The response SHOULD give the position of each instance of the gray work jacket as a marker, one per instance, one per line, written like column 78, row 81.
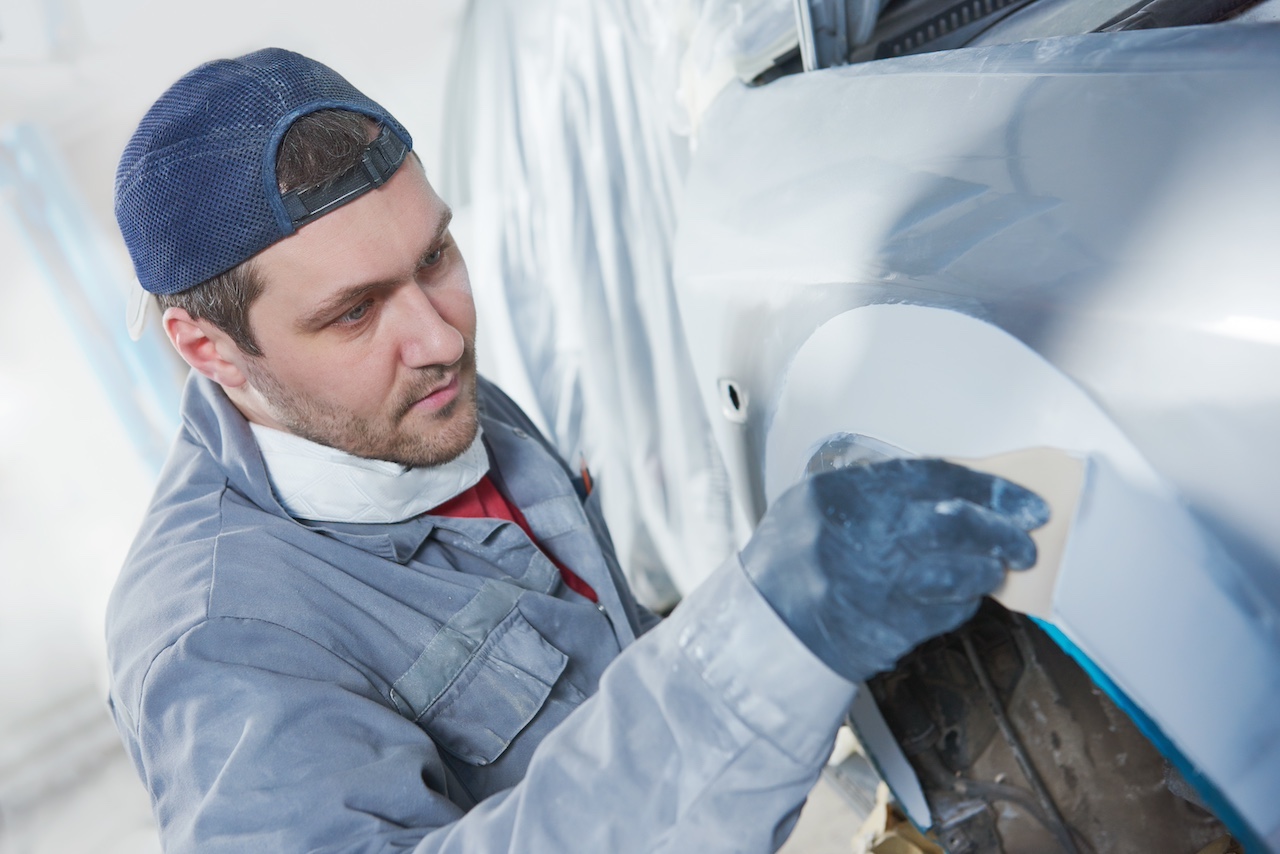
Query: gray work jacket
column 432, row 685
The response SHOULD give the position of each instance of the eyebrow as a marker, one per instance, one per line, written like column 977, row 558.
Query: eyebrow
column 321, row 314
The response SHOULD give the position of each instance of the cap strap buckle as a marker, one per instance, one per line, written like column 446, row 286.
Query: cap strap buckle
column 379, row 161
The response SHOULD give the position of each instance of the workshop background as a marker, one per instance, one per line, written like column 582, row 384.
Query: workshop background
column 843, row 251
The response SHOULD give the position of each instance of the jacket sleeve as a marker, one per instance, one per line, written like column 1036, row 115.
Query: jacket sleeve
column 705, row 735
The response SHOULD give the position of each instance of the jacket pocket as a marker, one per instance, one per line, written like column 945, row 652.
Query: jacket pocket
column 482, row 678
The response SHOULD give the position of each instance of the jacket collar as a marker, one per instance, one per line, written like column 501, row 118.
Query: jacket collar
column 214, row 423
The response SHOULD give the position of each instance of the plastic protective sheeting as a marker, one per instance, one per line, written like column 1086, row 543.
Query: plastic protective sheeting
column 565, row 153
column 696, row 47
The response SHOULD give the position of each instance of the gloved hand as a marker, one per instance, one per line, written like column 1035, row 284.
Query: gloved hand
column 864, row 563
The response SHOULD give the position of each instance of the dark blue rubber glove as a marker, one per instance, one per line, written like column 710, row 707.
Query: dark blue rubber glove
column 864, row 563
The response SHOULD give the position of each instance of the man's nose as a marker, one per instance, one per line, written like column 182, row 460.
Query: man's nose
column 426, row 337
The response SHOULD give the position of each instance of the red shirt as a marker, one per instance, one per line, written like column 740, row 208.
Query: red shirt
column 484, row 501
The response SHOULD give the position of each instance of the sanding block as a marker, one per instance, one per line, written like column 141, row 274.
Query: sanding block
column 1059, row 477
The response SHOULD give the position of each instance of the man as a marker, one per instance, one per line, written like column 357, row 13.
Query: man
column 370, row 609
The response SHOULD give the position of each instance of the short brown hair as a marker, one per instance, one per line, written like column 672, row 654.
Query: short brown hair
column 317, row 148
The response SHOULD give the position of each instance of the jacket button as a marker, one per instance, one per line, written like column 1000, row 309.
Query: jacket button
column 520, row 433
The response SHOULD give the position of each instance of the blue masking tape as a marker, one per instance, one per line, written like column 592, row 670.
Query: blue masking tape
column 1210, row 793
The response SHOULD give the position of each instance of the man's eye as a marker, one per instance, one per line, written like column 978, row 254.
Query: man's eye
column 356, row 314
column 432, row 259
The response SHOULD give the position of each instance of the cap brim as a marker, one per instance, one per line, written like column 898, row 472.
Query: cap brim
column 139, row 310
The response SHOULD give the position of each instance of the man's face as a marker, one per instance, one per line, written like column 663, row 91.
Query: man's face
column 367, row 330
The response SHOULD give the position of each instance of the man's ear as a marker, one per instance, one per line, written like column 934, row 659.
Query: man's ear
column 204, row 347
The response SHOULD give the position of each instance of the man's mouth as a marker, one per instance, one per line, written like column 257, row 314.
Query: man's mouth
column 439, row 396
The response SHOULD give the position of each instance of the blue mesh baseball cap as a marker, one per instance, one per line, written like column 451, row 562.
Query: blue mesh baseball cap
column 196, row 190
